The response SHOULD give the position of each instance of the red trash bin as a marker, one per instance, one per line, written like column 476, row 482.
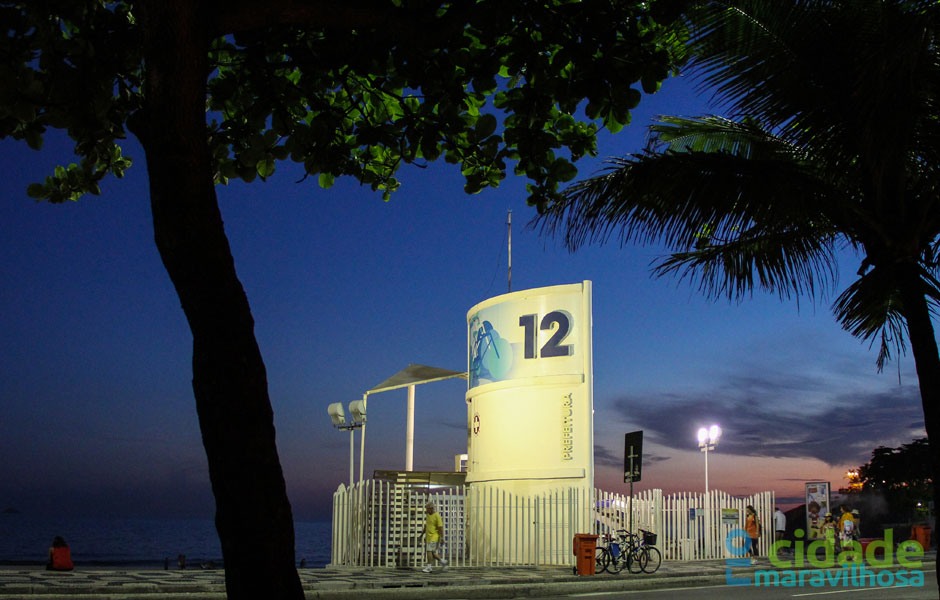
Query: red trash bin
column 921, row 534
column 879, row 552
column 585, row 544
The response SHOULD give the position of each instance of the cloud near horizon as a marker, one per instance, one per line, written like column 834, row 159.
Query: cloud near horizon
column 782, row 416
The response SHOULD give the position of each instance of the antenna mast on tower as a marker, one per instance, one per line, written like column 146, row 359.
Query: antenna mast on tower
column 509, row 224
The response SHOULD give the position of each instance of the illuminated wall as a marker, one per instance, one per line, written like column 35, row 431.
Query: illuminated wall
column 530, row 398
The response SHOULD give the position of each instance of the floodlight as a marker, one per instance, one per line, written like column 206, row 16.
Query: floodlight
column 714, row 432
column 336, row 414
column 357, row 408
column 708, row 440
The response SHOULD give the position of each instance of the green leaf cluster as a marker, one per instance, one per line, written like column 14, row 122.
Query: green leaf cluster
column 486, row 85
column 60, row 68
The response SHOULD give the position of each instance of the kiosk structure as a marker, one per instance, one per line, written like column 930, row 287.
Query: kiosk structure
column 530, row 408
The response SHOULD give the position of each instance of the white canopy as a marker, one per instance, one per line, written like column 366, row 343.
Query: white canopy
column 415, row 374
column 409, row 377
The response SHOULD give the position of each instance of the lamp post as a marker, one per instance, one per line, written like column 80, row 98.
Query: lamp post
column 708, row 440
column 358, row 411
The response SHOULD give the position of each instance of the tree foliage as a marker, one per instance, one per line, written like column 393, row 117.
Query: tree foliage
column 368, row 91
column 216, row 91
column 901, row 475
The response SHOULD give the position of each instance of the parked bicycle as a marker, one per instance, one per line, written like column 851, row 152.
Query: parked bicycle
column 636, row 553
column 650, row 557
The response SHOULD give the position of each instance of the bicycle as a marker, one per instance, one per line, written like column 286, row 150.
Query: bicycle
column 652, row 557
column 618, row 553
column 638, row 553
column 602, row 553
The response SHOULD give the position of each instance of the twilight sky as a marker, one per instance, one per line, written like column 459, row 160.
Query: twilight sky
column 96, row 408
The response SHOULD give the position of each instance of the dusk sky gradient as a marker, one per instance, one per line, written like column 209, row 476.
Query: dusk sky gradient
column 96, row 408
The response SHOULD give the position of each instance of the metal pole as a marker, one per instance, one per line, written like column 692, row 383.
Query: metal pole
column 362, row 451
column 630, row 529
column 509, row 223
column 351, row 450
column 708, row 511
column 632, row 456
column 706, row 470
column 410, row 430
column 362, row 439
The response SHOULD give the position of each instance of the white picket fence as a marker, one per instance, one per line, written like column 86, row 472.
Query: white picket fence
column 688, row 526
column 379, row 524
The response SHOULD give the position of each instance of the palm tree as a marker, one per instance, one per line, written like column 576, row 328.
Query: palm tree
column 833, row 140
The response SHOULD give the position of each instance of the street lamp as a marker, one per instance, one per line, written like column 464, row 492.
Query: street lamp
column 708, row 440
column 357, row 409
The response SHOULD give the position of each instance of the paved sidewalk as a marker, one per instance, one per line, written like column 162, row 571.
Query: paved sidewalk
column 35, row 583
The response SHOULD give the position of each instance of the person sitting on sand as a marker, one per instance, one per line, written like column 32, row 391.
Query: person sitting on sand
column 60, row 557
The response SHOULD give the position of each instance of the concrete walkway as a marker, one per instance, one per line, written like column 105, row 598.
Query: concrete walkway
column 35, row 583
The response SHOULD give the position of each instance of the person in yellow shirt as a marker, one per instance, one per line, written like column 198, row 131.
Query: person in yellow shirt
column 845, row 516
column 433, row 537
column 828, row 531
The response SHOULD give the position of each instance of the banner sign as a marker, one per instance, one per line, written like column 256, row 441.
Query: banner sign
column 817, row 505
column 633, row 448
column 528, row 335
column 730, row 516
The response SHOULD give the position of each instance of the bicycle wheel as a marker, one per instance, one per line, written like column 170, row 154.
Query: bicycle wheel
column 636, row 560
column 601, row 559
column 654, row 559
column 617, row 560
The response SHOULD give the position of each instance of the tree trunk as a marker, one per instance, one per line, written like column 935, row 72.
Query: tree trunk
column 927, row 360
column 253, row 514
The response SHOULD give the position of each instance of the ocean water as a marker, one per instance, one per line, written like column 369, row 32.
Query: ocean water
column 141, row 543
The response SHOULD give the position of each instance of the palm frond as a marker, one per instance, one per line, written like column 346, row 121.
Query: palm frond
column 789, row 263
column 721, row 215
column 710, row 133
column 747, row 51
column 871, row 309
column 832, row 135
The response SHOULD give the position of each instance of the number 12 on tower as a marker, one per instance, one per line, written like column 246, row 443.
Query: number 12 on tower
column 558, row 320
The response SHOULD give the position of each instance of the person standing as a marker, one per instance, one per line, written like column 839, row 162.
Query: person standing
column 60, row 557
column 847, row 532
column 752, row 527
column 845, row 516
column 829, row 533
column 433, row 537
column 780, row 524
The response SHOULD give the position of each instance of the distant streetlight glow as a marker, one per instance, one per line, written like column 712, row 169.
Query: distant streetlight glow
column 708, row 440
column 855, row 483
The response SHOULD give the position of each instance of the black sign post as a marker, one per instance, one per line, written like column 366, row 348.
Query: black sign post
column 632, row 463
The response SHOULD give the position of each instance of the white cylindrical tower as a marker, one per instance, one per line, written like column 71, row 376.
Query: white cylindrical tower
column 530, row 393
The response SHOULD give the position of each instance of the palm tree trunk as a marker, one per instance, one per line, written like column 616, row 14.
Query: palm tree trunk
column 927, row 360
column 253, row 514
